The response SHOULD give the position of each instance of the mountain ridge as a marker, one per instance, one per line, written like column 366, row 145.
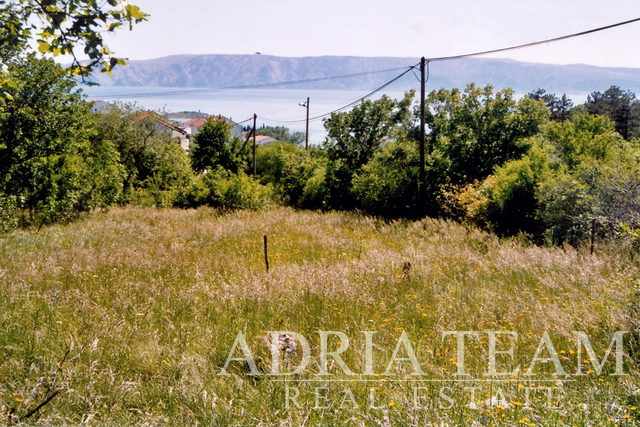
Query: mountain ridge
column 221, row 71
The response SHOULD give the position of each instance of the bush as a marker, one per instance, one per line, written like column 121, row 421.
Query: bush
column 226, row 190
column 8, row 214
column 315, row 192
column 192, row 195
column 287, row 168
column 387, row 185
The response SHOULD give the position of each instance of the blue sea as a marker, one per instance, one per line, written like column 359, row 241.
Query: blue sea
column 274, row 107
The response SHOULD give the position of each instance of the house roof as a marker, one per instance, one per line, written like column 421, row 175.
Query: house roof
column 263, row 139
column 156, row 118
column 192, row 123
column 195, row 122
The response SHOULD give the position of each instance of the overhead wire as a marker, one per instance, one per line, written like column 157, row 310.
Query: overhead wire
column 253, row 86
column 521, row 46
column 344, row 107
column 350, row 104
column 468, row 55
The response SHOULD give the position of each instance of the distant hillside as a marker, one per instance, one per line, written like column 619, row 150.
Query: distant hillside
column 238, row 70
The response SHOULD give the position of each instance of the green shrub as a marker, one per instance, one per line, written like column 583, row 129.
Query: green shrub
column 387, row 185
column 8, row 214
column 236, row 191
column 191, row 195
column 226, row 190
column 315, row 192
column 287, row 168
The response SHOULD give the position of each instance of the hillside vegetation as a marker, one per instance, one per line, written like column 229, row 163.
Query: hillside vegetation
column 537, row 165
column 128, row 317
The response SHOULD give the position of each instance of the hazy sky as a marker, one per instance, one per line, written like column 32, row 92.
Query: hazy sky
column 406, row 28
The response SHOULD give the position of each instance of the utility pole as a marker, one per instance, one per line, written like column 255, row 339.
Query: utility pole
column 421, row 176
column 306, row 135
column 306, row 138
column 254, row 144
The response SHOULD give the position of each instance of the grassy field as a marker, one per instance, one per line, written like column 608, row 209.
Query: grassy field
column 129, row 317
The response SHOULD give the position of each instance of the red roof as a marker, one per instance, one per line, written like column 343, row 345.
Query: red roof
column 264, row 138
column 192, row 123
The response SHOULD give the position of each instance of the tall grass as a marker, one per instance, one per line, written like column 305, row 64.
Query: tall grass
column 127, row 318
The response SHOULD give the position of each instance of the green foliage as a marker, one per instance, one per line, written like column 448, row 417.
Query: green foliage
column 150, row 159
column 575, row 171
column 388, row 184
column 513, row 203
column 43, row 140
column 62, row 26
column 287, row 168
column 8, row 213
column 560, row 108
column 282, row 134
column 226, row 190
column 619, row 106
column 213, row 146
column 235, row 191
column 584, row 137
column 565, row 207
column 354, row 137
column 314, row 193
column 597, row 176
column 474, row 131
column 105, row 172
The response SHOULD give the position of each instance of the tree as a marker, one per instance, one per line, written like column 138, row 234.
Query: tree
column 287, row 167
column 213, row 146
column 388, row 184
column 474, row 131
column 61, row 26
column 574, row 171
column 282, row 134
column 618, row 105
column 354, row 137
column 46, row 160
column 559, row 107
column 150, row 158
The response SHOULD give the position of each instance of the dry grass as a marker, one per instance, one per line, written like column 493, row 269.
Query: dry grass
column 147, row 303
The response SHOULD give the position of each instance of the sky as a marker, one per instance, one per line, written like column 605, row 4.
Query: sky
column 398, row 28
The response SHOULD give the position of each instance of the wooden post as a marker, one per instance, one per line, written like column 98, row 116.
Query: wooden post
column 266, row 253
column 254, row 144
column 306, row 138
column 593, row 234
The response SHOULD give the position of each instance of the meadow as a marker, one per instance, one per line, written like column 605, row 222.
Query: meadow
column 129, row 317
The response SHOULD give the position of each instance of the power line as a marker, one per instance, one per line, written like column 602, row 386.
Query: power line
column 583, row 33
column 253, row 86
column 244, row 121
column 428, row 61
column 449, row 58
column 351, row 104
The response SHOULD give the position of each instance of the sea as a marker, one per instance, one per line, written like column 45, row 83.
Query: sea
column 273, row 107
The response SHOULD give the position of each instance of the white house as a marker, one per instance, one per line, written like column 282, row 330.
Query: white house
column 158, row 123
column 100, row 106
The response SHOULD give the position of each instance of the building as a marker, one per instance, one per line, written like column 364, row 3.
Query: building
column 192, row 126
column 153, row 120
column 100, row 106
column 264, row 139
